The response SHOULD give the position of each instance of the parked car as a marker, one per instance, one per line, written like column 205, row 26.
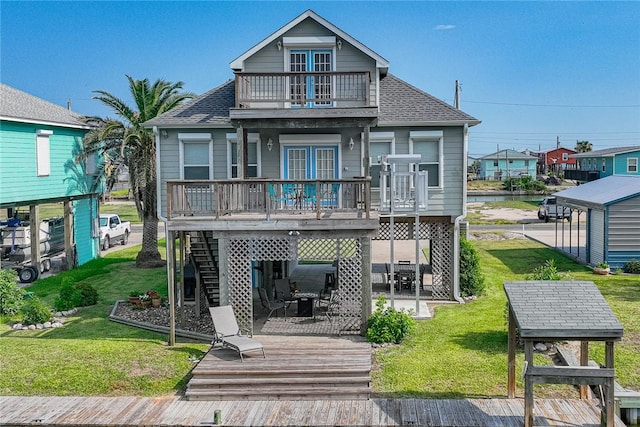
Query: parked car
column 549, row 209
column 112, row 229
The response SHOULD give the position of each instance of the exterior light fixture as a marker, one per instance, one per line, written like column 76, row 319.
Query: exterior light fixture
column 351, row 144
column 269, row 144
column 279, row 44
column 339, row 44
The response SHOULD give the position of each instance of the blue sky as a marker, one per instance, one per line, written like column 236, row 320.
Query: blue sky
column 531, row 71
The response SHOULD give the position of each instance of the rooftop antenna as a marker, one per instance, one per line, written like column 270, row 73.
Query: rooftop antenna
column 456, row 97
column 69, row 104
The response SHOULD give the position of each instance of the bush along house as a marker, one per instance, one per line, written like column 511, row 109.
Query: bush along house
column 281, row 165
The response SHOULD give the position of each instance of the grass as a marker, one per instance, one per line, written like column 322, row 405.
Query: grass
column 91, row 355
column 480, row 185
column 462, row 351
column 530, row 205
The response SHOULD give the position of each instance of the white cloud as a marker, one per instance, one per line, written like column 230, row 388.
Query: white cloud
column 444, row 27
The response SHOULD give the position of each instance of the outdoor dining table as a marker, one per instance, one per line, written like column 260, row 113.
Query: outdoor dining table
column 306, row 303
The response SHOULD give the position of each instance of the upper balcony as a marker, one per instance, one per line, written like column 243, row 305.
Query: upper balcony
column 304, row 95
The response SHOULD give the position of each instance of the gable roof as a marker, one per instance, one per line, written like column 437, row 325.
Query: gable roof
column 508, row 153
column 18, row 106
column 603, row 191
column 403, row 103
column 206, row 110
column 607, row 152
column 381, row 63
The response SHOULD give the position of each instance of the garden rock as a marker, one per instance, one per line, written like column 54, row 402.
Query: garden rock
column 540, row 347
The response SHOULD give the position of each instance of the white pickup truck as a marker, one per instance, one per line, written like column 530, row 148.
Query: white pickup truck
column 549, row 209
column 113, row 230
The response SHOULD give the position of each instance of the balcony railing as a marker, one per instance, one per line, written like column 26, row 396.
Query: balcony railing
column 303, row 90
column 580, row 175
column 227, row 199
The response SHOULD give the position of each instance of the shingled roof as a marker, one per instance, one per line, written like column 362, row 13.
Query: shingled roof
column 19, row 106
column 208, row 109
column 400, row 103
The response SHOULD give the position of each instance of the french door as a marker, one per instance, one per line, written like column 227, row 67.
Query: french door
column 310, row 162
column 310, row 90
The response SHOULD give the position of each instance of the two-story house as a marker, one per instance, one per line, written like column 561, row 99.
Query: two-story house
column 598, row 164
column 40, row 145
column 555, row 160
column 505, row 164
column 282, row 165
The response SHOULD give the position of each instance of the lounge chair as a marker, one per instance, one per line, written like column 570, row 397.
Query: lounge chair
column 229, row 334
column 271, row 305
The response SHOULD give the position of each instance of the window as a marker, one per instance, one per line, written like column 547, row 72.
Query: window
column 588, row 164
column 526, row 164
column 632, row 165
column 495, row 163
column 253, row 152
column 196, row 156
column 429, row 145
column 604, row 165
column 43, row 159
column 380, row 144
column 312, row 55
column 565, row 157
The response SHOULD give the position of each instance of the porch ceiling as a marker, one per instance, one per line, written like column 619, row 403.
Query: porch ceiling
column 305, row 118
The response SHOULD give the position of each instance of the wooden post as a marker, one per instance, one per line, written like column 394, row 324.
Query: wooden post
column 511, row 357
column 366, row 153
column 584, row 361
column 171, row 266
column 180, row 292
column 68, row 232
column 241, row 149
column 609, row 390
column 528, row 385
column 365, row 244
column 34, row 235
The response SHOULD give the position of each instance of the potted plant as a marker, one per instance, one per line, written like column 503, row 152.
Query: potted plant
column 155, row 298
column 145, row 299
column 602, row 268
column 134, row 297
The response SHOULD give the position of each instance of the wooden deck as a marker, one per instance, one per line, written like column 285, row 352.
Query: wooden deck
column 174, row 411
column 295, row 368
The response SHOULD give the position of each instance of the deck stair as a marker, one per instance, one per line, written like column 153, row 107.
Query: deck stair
column 204, row 254
column 295, row 368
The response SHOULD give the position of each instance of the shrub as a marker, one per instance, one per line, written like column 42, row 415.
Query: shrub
column 603, row 265
column 35, row 311
column 11, row 295
column 75, row 295
column 546, row 271
column 388, row 325
column 471, row 278
column 632, row 267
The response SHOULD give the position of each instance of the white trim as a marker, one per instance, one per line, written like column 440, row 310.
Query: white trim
column 313, row 41
column 43, row 153
column 238, row 63
column 381, row 136
column 43, row 122
column 310, row 139
column 636, row 165
column 252, row 138
column 426, row 134
column 44, row 132
column 194, row 136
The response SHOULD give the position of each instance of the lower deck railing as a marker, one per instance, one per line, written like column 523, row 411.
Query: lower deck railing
column 222, row 199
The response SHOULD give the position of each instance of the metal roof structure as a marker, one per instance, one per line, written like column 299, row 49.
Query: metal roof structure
column 604, row 191
column 607, row 152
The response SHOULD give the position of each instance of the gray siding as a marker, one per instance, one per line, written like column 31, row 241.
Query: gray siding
column 596, row 237
column 624, row 225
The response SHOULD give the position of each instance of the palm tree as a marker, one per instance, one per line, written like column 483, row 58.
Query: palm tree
column 128, row 143
column 583, row 146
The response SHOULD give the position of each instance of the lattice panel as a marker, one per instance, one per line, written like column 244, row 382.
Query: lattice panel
column 350, row 284
column 274, row 249
column 238, row 267
column 317, row 250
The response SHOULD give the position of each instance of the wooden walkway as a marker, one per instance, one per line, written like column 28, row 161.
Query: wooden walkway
column 176, row 411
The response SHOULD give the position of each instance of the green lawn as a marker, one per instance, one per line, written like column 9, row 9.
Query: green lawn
column 91, row 355
column 462, row 351
column 127, row 211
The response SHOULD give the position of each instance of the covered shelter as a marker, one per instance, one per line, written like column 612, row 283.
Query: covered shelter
column 612, row 205
column 580, row 313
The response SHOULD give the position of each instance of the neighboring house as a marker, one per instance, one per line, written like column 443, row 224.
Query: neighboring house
column 555, row 160
column 613, row 208
column 507, row 164
column 286, row 158
column 39, row 146
column 597, row 164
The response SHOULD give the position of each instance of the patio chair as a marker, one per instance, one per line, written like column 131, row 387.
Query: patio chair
column 283, row 291
column 273, row 306
column 228, row 333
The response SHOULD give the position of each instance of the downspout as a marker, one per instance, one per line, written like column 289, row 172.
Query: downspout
column 170, row 275
column 458, row 220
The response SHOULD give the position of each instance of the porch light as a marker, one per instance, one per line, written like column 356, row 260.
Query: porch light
column 351, row 144
column 269, row 144
column 279, row 44
column 339, row 44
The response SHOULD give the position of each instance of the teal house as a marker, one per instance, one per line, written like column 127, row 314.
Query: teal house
column 598, row 164
column 40, row 147
column 507, row 164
